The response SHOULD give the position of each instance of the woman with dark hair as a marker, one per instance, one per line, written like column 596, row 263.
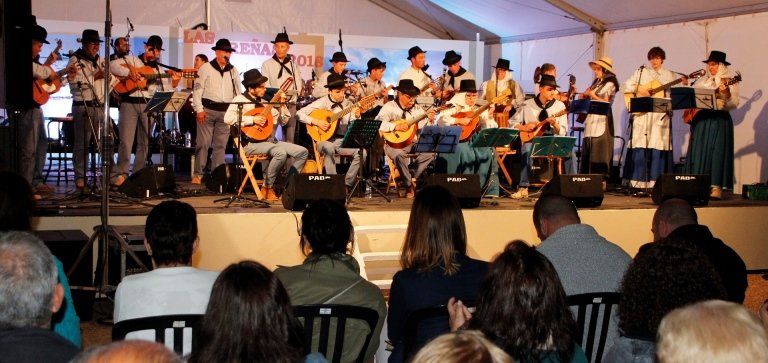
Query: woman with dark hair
column 598, row 129
column 435, row 267
column 249, row 319
column 666, row 275
column 330, row 275
column 522, row 308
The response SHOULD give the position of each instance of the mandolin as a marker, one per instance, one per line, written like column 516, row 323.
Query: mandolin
column 656, row 89
column 690, row 113
column 534, row 129
column 400, row 139
column 317, row 134
column 260, row 133
column 474, row 116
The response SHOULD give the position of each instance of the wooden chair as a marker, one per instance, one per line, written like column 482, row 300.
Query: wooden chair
column 159, row 324
column 248, row 162
column 501, row 154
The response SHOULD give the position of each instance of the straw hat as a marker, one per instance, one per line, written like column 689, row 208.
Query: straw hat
column 605, row 62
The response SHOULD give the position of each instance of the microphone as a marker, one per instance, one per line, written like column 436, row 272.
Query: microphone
column 642, row 66
column 130, row 25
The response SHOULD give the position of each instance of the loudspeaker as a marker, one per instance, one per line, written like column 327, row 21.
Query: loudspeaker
column 226, row 178
column 584, row 190
column 15, row 47
column 692, row 187
column 303, row 189
column 66, row 245
column 149, row 182
column 465, row 187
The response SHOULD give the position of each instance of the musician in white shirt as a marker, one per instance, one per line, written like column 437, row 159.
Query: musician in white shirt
column 501, row 81
column 597, row 152
column 277, row 70
column 454, row 74
column 416, row 72
column 339, row 66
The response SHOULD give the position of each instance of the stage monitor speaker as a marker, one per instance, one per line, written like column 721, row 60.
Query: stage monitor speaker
column 149, row 182
column 584, row 190
column 226, row 178
column 303, row 189
column 692, row 187
column 16, row 23
column 465, row 187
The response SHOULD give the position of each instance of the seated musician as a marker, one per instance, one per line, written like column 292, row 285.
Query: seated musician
column 336, row 102
column 255, row 85
column 402, row 108
column 534, row 112
column 454, row 74
column 466, row 159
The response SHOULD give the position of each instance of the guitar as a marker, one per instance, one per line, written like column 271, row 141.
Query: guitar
column 474, row 116
column 400, row 139
column 656, row 89
column 260, row 133
column 147, row 73
column 690, row 113
column 535, row 129
column 332, row 118
column 42, row 89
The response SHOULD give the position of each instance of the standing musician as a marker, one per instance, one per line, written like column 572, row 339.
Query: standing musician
column 501, row 81
column 374, row 83
column 86, row 83
column 277, row 69
column 598, row 129
column 121, row 48
column 454, row 75
column 134, row 122
column 535, row 111
column 216, row 84
column 255, row 85
column 335, row 101
column 710, row 150
column 402, row 108
column 466, row 159
column 339, row 62
column 416, row 72
column 551, row 70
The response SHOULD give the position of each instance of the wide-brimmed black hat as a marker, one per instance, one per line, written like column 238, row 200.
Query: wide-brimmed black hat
column 155, row 42
column 281, row 38
column 90, row 36
column 374, row 63
column 414, row 51
column 716, row 56
column 253, row 77
column 451, row 57
column 502, row 64
column 406, row 86
column 467, row 85
column 339, row 57
column 547, row 80
column 40, row 34
column 223, row 44
column 335, row 81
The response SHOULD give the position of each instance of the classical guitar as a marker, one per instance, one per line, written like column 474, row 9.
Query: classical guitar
column 42, row 89
column 260, row 133
column 656, row 89
column 534, row 129
column 317, row 134
column 400, row 139
column 474, row 116
column 147, row 73
column 690, row 113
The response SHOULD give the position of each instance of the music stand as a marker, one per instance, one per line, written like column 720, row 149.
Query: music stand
column 649, row 104
column 360, row 135
column 552, row 147
column 161, row 102
column 590, row 107
column 493, row 138
column 438, row 139
column 689, row 97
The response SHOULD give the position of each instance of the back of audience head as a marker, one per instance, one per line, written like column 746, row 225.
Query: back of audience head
column 712, row 331
column 464, row 346
column 552, row 212
column 171, row 233
column 662, row 277
column 326, row 229
column 16, row 202
column 128, row 351
column 436, row 233
column 670, row 215
column 29, row 291
column 249, row 319
column 522, row 306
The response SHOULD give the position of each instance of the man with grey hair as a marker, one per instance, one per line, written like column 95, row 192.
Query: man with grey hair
column 29, row 295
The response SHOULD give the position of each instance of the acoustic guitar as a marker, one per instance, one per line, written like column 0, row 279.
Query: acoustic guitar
column 127, row 85
column 474, row 116
column 656, row 89
column 317, row 134
column 690, row 113
column 536, row 129
column 42, row 89
column 400, row 139
column 260, row 133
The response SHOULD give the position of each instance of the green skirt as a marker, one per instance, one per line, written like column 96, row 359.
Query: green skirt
column 710, row 150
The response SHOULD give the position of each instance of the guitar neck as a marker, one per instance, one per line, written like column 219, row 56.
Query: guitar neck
column 665, row 86
column 154, row 76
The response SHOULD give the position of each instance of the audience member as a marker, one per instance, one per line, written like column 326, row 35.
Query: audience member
column 29, row 295
column 664, row 276
column 712, row 331
column 16, row 208
column 173, row 287
column 522, row 308
column 249, row 319
column 329, row 275
column 435, row 267
column 676, row 219
column 464, row 346
column 128, row 351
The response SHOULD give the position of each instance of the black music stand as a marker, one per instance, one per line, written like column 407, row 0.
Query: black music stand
column 689, row 97
column 493, row 138
column 551, row 148
column 437, row 139
column 587, row 107
column 161, row 102
column 360, row 135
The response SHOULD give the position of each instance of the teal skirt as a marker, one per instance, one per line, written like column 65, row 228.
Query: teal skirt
column 710, row 150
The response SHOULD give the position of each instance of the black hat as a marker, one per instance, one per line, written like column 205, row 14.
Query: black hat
column 253, row 77
column 467, row 85
column 223, row 44
column 281, row 38
column 339, row 57
column 414, row 51
column 335, row 81
column 90, row 36
column 451, row 57
column 547, row 80
column 717, row 56
column 374, row 63
column 406, row 86
column 40, row 34
column 502, row 64
column 155, row 42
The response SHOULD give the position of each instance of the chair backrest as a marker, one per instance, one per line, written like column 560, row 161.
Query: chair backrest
column 325, row 312
column 601, row 305
column 159, row 324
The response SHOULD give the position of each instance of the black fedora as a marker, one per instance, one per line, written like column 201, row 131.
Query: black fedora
column 716, row 56
column 502, row 64
column 451, row 57
column 335, row 81
column 40, row 34
column 414, row 51
column 90, row 36
column 547, row 80
column 281, row 38
column 223, row 44
column 155, row 42
column 374, row 63
column 339, row 57
column 253, row 78
column 467, row 85
column 406, row 86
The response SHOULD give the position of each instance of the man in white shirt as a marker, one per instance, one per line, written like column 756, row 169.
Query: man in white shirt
column 215, row 86
column 454, row 74
column 416, row 72
column 373, row 84
column 277, row 69
column 339, row 66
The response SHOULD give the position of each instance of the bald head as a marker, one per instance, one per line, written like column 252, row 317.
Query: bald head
column 670, row 215
column 553, row 212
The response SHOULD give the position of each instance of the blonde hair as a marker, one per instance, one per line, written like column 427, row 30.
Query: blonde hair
column 129, row 351
column 467, row 346
column 712, row 331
